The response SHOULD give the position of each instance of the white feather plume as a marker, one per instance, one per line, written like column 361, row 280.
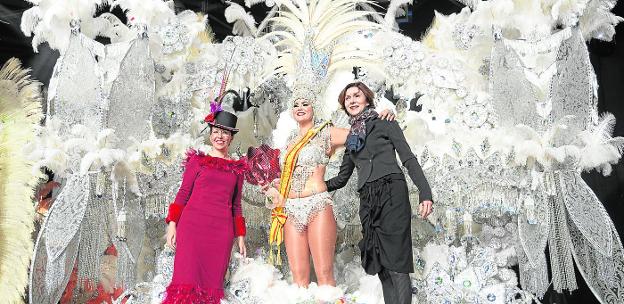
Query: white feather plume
column 286, row 124
column 330, row 21
column 20, row 109
column 122, row 171
column 30, row 19
column 49, row 20
column 244, row 22
column 112, row 28
column 598, row 21
column 100, row 154
column 392, row 13
column 600, row 148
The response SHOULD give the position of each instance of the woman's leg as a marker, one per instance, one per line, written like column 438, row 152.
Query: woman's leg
column 298, row 254
column 402, row 286
column 396, row 286
column 387, row 287
column 322, row 238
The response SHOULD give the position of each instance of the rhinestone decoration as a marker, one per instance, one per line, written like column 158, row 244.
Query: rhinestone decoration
column 476, row 112
column 403, row 56
column 463, row 35
column 244, row 55
column 171, row 114
column 174, row 36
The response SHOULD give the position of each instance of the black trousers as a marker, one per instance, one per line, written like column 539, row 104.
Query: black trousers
column 397, row 287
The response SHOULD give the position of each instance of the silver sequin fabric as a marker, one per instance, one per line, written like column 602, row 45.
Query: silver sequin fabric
column 301, row 211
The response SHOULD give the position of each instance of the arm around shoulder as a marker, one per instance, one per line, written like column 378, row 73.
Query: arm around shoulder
column 338, row 136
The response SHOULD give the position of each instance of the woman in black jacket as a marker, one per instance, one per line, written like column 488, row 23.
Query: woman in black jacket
column 385, row 211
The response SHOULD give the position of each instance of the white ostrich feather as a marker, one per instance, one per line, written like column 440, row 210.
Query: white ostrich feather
column 600, row 148
column 369, row 290
column 267, row 283
column 151, row 147
column 101, row 154
column 244, row 22
column 284, row 127
column 532, row 22
column 178, row 143
column 540, row 146
column 325, row 293
column 122, row 171
column 601, row 132
column 49, row 21
column 470, row 3
column 598, row 21
column 20, row 109
column 393, row 11
column 113, row 28
column 30, row 19
column 47, row 149
column 565, row 12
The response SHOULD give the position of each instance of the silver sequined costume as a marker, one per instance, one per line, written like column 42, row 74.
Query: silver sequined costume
column 302, row 210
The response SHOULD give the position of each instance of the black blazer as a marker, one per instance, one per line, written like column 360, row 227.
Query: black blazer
column 378, row 158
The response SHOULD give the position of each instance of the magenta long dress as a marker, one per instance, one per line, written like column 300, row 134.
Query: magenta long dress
column 208, row 213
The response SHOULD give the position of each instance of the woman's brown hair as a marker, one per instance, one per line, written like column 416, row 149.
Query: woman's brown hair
column 370, row 96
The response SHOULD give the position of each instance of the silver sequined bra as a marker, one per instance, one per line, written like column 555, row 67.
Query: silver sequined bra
column 313, row 154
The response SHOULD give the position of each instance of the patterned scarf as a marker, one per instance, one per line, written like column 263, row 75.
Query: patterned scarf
column 357, row 135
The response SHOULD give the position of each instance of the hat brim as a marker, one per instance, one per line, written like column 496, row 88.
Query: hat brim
column 233, row 130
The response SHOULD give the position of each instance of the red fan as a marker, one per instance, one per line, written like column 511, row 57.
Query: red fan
column 263, row 163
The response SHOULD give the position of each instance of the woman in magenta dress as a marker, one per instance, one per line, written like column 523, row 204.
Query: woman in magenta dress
column 206, row 217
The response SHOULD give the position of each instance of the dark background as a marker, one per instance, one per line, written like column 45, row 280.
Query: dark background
column 607, row 59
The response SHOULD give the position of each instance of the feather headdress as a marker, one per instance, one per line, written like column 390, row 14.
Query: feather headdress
column 311, row 41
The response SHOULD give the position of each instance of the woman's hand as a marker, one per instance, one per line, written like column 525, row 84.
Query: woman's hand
column 171, row 235
column 387, row 114
column 272, row 193
column 276, row 183
column 242, row 249
column 425, row 208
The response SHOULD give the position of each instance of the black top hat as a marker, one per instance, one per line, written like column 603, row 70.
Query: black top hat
column 225, row 120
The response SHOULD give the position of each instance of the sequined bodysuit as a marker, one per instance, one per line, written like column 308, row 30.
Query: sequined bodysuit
column 301, row 210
